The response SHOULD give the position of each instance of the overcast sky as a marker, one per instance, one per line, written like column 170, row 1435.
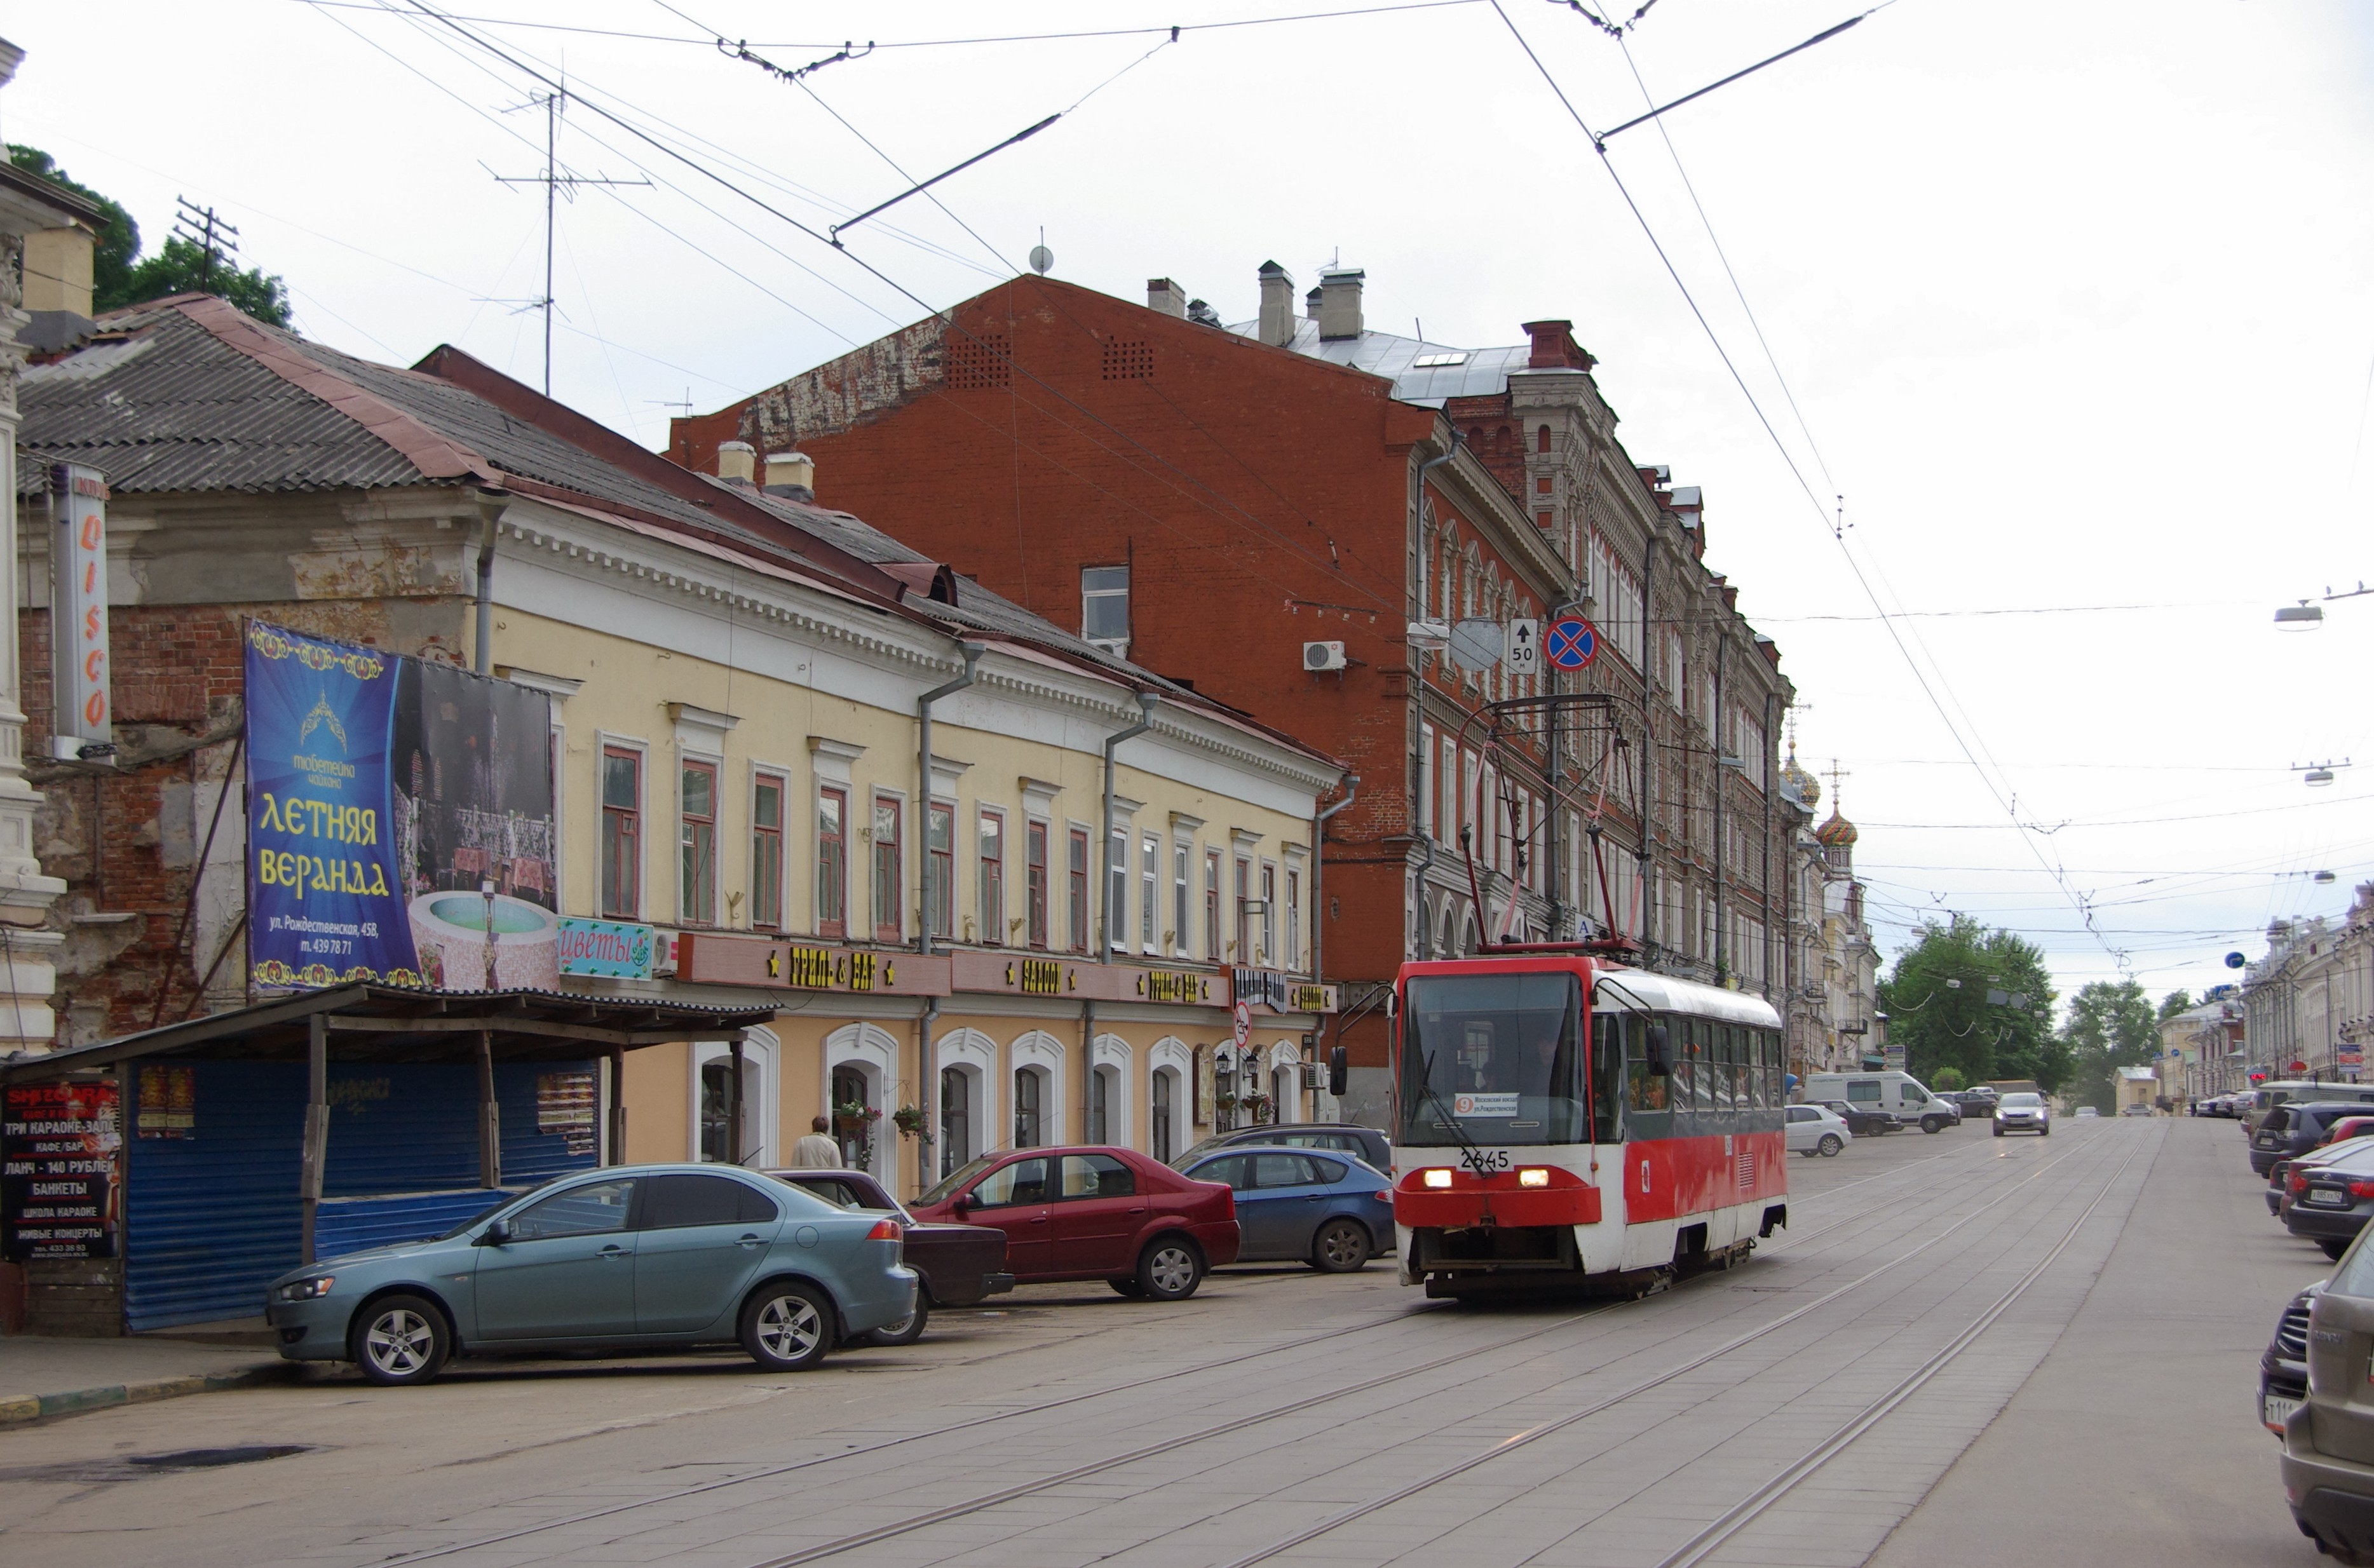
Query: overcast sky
column 2072, row 300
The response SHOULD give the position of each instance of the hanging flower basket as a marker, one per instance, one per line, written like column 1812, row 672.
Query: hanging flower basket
column 1225, row 1102
column 855, row 1117
column 908, row 1120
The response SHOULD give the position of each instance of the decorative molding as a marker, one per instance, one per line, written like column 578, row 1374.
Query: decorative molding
column 560, row 688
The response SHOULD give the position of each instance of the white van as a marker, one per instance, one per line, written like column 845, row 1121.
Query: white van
column 2268, row 1095
column 1898, row 1093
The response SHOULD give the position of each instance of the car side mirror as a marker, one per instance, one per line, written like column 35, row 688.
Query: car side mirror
column 1339, row 1071
column 1661, row 1051
column 496, row 1234
column 961, row 1203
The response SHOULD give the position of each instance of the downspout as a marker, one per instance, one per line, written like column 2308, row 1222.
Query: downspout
column 1147, row 702
column 1319, row 885
column 491, row 504
column 972, row 652
column 1714, row 722
column 927, row 1094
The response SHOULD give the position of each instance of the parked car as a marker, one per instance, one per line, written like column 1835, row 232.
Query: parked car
column 2328, row 1462
column 2329, row 1201
column 2292, row 1129
column 625, row 1258
column 1900, row 1095
column 954, row 1265
column 2022, row 1111
column 1332, row 1212
column 2253, row 1108
column 2282, row 1367
column 1818, row 1130
column 2138, row 1108
column 1980, row 1101
column 1363, row 1143
column 2087, row 1113
column 1093, row 1214
column 1863, row 1121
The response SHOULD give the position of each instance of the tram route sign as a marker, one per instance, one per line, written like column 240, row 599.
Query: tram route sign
column 1572, row 643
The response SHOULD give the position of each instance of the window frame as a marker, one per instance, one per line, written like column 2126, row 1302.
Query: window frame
column 1149, row 893
column 940, row 869
column 1117, row 889
column 622, row 836
column 1036, row 930
column 1244, row 884
column 1212, row 906
column 768, row 864
column 989, row 849
column 1076, row 873
column 889, row 878
column 1104, row 592
column 831, row 881
column 1183, row 861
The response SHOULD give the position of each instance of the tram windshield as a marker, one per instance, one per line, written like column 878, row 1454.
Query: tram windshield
column 1503, row 1056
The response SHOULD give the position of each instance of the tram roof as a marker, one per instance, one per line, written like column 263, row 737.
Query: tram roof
column 1665, row 993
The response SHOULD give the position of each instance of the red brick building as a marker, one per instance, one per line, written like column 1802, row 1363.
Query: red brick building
column 1217, row 499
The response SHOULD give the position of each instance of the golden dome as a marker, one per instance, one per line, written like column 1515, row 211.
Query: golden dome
column 1801, row 784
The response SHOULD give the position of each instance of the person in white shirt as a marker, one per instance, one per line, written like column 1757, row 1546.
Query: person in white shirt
column 816, row 1151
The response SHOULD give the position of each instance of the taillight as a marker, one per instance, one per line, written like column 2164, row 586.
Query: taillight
column 887, row 1230
column 1386, row 1197
column 2361, row 1188
column 2299, row 1184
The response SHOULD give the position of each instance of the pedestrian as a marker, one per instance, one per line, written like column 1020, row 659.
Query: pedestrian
column 817, row 1151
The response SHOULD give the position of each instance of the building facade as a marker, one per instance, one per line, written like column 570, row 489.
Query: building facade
column 2309, row 1000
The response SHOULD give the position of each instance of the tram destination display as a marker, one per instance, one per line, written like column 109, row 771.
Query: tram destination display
column 60, row 1145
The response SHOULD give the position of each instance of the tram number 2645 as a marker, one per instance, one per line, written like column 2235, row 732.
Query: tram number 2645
column 1484, row 1162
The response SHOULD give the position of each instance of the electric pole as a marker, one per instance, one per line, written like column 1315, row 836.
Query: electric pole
column 201, row 226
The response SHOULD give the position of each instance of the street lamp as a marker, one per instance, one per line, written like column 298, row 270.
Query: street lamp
column 2317, row 775
column 2300, row 618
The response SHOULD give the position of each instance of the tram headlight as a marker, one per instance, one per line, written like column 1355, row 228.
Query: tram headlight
column 1533, row 1175
column 1438, row 1176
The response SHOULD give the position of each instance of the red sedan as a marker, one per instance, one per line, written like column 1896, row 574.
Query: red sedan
column 1093, row 1214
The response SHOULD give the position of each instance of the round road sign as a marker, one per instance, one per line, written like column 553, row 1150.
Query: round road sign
column 1572, row 642
column 1242, row 1015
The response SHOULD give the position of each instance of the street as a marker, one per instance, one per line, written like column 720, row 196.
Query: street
column 1965, row 1350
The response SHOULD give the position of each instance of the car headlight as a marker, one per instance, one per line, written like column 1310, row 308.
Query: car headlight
column 1438, row 1176
column 307, row 1290
column 1533, row 1175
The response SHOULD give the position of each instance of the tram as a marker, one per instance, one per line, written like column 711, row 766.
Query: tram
column 1568, row 1121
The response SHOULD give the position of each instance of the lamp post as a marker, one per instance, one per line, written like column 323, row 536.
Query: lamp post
column 2306, row 617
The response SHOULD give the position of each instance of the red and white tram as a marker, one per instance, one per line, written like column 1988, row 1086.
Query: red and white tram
column 1566, row 1120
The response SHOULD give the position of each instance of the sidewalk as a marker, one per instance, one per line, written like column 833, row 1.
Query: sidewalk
column 50, row 1377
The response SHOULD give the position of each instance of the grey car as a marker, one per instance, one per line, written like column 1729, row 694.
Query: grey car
column 2328, row 1464
column 628, row 1257
column 2023, row 1113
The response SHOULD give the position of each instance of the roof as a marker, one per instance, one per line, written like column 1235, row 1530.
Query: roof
column 1667, row 993
column 391, row 1024
column 1450, row 372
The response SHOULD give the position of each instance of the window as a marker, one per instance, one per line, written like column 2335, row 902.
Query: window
column 1425, row 822
column 622, row 834
column 889, row 904
column 1024, row 1181
column 1096, row 1175
column 1098, row 1119
column 1293, row 919
column 1117, row 889
column 1212, row 906
column 1104, row 603
column 992, row 878
column 678, row 1200
column 1159, row 1101
column 1149, row 899
column 940, row 869
column 956, row 1118
column 1078, row 872
column 591, row 1209
column 1245, row 942
column 1035, row 841
column 1182, row 857
column 1030, row 1113
column 832, row 862
column 697, row 807
column 767, row 852
column 1268, row 914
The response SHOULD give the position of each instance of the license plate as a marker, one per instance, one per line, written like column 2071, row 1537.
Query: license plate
column 2326, row 1195
column 2276, row 1409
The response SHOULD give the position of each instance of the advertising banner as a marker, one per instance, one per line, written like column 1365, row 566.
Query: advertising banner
column 59, row 1148
column 617, row 950
column 399, row 822
column 82, row 715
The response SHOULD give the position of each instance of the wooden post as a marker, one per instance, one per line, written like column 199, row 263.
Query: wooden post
column 617, row 1105
column 734, row 1107
column 491, row 1126
column 317, row 1129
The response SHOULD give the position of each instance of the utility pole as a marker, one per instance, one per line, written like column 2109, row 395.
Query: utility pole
column 201, row 226
column 552, row 179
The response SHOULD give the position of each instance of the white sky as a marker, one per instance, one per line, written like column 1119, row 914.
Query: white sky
column 2073, row 299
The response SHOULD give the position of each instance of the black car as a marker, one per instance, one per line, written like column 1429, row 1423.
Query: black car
column 2292, row 1129
column 1363, row 1143
column 1978, row 1105
column 1863, row 1121
column 2282, row 1369
column 2330, row 1203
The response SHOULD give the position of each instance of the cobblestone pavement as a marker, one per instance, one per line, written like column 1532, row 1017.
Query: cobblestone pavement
column 1964, row 1350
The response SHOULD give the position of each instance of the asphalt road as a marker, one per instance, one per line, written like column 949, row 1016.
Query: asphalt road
column 1965, row 1350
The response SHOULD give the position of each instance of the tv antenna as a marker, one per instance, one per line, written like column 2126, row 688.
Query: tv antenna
column 553, row 182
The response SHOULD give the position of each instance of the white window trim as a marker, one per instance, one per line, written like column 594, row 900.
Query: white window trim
column 1041, row 1050
column 873, row 1047
column 715, row 763
column 783, row 776
column 981, row 814
column 760, row 1112
column 1175, row 1055
column 1112, row 1051
column 906, row 843
column 975, row 1054
column 1149, row 893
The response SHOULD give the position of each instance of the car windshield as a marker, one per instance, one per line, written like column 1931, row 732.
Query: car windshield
column 957, row 1179
column 505, row 1201
column 1502, row 1054
column 2022, row 1102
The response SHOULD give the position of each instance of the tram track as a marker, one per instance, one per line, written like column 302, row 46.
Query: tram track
column 1406, row 1315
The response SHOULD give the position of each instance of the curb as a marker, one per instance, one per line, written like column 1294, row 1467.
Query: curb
column 17, row 1409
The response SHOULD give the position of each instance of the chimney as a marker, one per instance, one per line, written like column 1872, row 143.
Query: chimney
column 57, row 270
column 791, row 475
column 1311, row 305
column 737, row 462
column 1276, row 305
column 1165, row 296
column 1339, row 303
column 1554, row 347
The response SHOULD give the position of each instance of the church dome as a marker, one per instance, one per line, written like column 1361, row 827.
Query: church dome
column 1800, row 783
column 1836, row 833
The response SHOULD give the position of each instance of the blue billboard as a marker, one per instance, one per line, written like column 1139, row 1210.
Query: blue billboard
column 399, row 822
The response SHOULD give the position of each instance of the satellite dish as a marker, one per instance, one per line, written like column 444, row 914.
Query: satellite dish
column 1042, row 259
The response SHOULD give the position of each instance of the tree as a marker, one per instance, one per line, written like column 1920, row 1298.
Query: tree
column 2174, row 1004
column 1973, row 1000
column 2111, row 1025
column 120, row 278
column 1947, row 1078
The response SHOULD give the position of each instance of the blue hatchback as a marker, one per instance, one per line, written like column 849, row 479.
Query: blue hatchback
column 1329, row 1211
column 623, row 1258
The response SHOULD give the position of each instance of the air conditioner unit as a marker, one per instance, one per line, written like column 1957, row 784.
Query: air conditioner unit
column 1322, row 656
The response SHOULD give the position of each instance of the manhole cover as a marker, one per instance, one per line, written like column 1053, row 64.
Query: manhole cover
column 131, row 1466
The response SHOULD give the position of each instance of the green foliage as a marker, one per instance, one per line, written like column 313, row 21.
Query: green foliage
column 2111, row 1025
column 120, row 278
column 184, row 268
column 1949, row 1078
column 1955, row 1028
column 111, row 262
column 2174, row 1004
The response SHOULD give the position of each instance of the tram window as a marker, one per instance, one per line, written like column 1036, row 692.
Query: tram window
column 1719, row 1056
column 1643, row 1089
column 1502, row 1055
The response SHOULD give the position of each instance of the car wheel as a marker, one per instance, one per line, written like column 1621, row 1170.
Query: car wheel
column 1128, row 1287
column 906, row 1332
column 400, row 1339
column 1829, row 1145
column 1340, row 1248
column 787, row 1326
column 1170, row 1269
column 1932, row 1124
column 2333, row 1248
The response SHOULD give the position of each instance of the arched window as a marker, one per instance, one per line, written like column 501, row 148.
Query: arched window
column 1030, row 1107
column 1542, row 439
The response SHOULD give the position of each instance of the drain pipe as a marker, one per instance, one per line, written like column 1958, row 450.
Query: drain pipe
column 927, row 1097
column 491, row 504
column 972, row 652
column 1147, row 702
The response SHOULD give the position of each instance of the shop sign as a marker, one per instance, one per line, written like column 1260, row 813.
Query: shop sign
column 82, row 715
column 1042, row 977
column 1267, row 987
column 612, row 950
column 704, row 959
column 1312, row 999
column 59, row 1192
column 1177, row 985
column 399, row 821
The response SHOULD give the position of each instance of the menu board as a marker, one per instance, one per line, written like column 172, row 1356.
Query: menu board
column 60, row 1145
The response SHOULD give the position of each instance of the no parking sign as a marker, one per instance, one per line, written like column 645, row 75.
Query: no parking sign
column 1572, row 643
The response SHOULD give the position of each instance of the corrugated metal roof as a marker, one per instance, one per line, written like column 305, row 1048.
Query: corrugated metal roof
column 1477, row 372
